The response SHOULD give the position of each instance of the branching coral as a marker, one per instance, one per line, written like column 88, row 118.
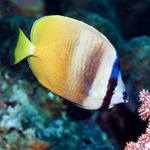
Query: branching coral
column 143, row 142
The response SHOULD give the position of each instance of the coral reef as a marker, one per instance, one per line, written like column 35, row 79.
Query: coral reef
column 28, row 120
column 135, row 65
column 104, row 8
column 32, row 8
column 33, row 118
column 38, row 145
column 143, row 142
column 133, row 17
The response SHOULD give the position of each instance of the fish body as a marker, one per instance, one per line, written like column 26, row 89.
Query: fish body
column 73, row 60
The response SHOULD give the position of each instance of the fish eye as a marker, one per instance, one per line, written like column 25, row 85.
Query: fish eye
column 125, row 97
column 112, row 88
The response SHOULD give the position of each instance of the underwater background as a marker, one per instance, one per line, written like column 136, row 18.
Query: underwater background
column 33, row 118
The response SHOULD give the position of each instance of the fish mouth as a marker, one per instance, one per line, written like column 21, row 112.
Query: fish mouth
column 125, row 97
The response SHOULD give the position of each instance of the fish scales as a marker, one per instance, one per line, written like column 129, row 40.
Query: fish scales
column 73, row 60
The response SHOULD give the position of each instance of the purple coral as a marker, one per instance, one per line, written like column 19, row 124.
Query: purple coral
column 143, row 142
column 144, row 110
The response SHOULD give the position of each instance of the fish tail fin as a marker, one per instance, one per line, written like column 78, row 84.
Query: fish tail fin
column 22, row 48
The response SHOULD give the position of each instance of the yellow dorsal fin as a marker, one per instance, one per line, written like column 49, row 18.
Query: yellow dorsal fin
column 48, row 27
column 22, row 48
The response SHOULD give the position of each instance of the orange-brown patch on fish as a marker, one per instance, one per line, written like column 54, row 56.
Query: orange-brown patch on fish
column 85, row 72
column 93, row 62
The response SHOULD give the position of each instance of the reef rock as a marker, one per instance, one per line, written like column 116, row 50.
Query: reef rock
column 101, row 7
column 136, row 64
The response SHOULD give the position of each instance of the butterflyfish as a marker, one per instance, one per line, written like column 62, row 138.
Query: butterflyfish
column 73, row 60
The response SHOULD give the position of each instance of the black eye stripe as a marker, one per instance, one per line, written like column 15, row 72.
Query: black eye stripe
column 125, row 97
column 112, row 85
column 113, row 81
